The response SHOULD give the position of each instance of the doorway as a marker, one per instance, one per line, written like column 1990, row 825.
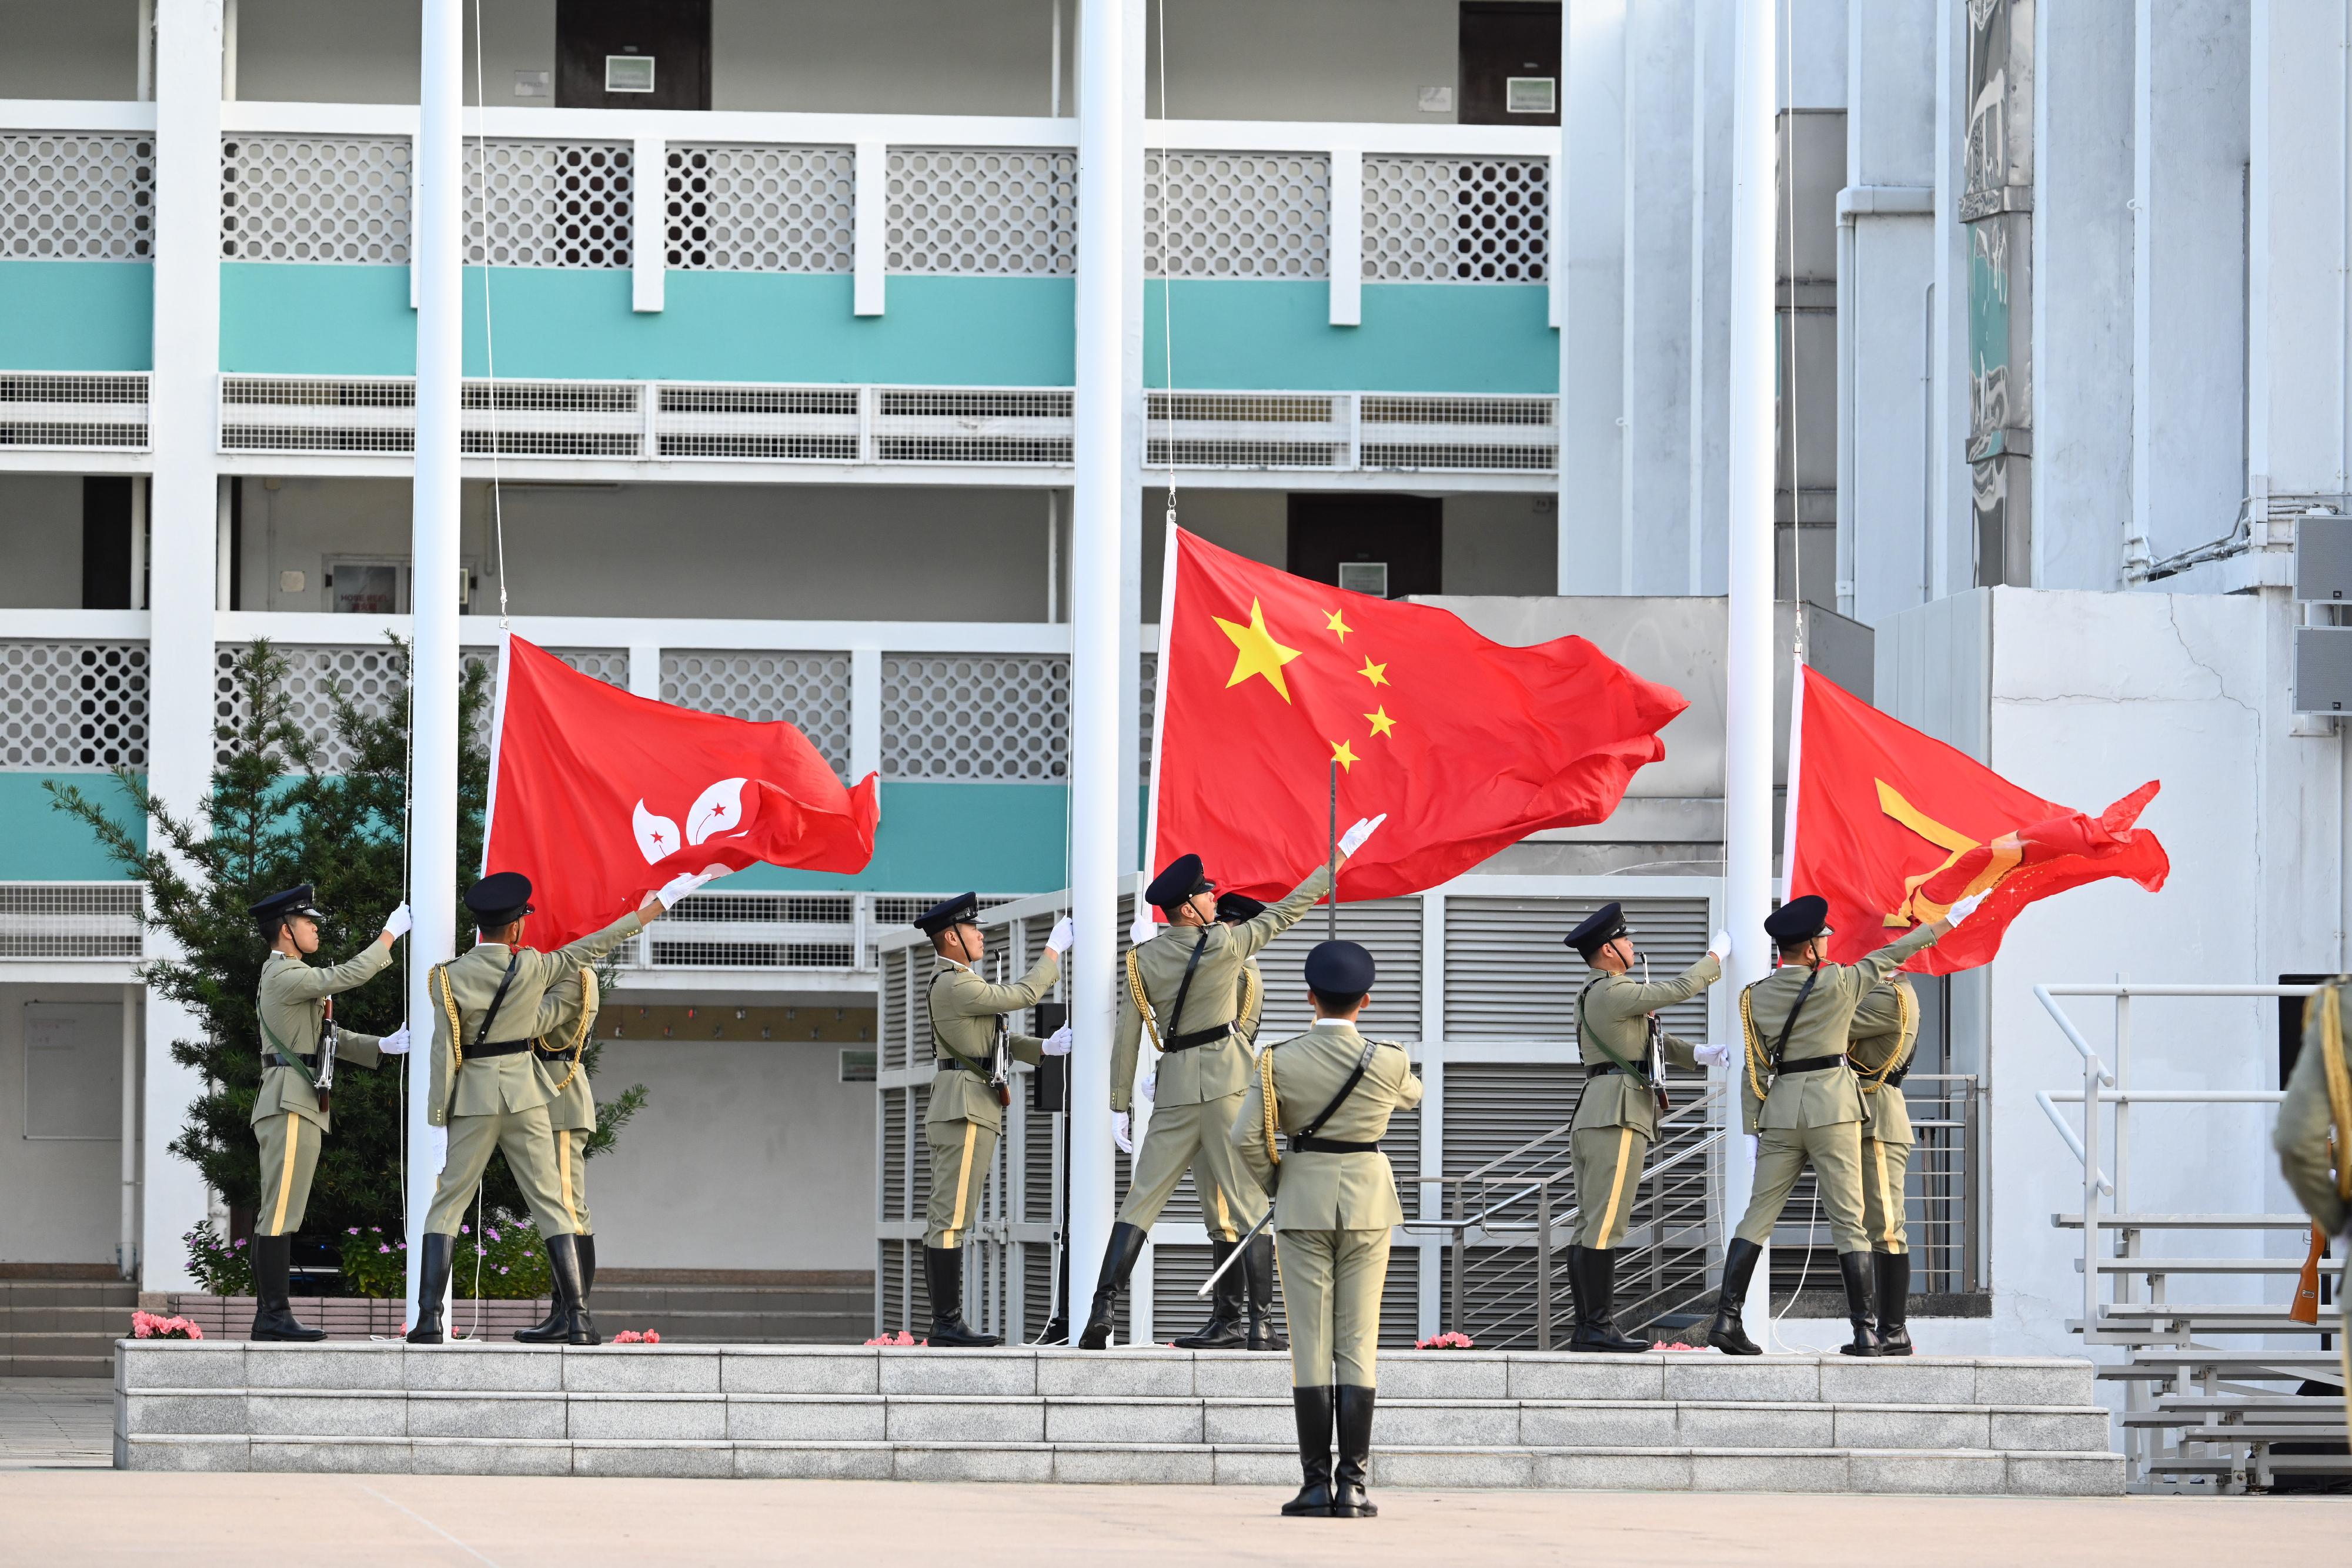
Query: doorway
column 633, row 54
column 1510, row 63
column 1384, row 545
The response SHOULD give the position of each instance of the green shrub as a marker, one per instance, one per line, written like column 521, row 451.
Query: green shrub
column 224, row 1268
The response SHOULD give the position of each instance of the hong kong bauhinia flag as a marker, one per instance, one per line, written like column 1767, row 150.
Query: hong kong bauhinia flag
column 1891, row 826
column 599, row 797
column 1266, row 679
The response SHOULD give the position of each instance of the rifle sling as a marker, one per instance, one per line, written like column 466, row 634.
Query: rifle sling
column 1780, row 1046
column 1168, row 1033
column 1363, row 1064
column 497, row 1000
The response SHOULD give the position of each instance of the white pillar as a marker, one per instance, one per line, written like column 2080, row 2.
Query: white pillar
column 434, row 673
column 1108, row 131
column 1594, row 552
column 183, row 510
column 127, row 1256
column 1748, row 658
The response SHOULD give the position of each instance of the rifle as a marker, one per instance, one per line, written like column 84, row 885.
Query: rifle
column 2306, row 1285
column 331, row 1040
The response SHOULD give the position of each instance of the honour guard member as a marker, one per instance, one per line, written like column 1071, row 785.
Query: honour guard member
column 1797, row 1020
column 1879, row 1045
column 300, row 1048
column 566, row 1017
column 1184, row 985
column 2314, row 1137
column 1329, row 1094
column 973, row 1046
column 489, row 1089
column 1225, row 1329
column 1624, row 1048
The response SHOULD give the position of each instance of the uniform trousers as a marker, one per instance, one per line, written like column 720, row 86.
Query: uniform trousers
column 1201, row 1137
column 290, row 1157
column 528, row 1140
column 1884, row 1168
column 1835, row 1154
column 1331, row 1285
column 960, row 1152
column 571, row 1175
column 1608, row 1182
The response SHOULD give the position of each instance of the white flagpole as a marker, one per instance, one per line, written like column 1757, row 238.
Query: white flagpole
column 433, row 664
column 1748, row 656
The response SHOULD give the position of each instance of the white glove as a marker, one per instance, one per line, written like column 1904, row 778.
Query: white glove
column 431, row 1151
column 1065, row 932
column 1150, row 1083
column 679, row 887
column 398, row 923
column 1962, row 908
column 1711, row 1055
column 1058, row 1043
column 1142, row 931
column 395, row 1043
column 1119, row 1133
column 1719, row 945
column 1353, row 839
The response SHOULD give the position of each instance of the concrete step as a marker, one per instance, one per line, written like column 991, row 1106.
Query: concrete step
column 1662, row 1420
column 62, row 1328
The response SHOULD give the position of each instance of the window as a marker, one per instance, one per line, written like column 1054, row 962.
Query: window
column 857, row 1067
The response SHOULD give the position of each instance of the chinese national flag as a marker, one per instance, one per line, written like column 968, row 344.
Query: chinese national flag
column 1265, row 679
column 1892, row 826
column 599, row 797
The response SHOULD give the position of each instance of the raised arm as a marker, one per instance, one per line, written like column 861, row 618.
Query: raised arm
column 1627, row 997
column 1271, row 922
column 304, row 983
column 969, row 996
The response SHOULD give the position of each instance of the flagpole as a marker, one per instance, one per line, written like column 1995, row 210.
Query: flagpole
column 1331, row 854
column 433, row 668
column 1748, row 652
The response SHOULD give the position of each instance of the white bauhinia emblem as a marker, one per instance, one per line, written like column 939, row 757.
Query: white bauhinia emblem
column 717, row 813
column 657, row 837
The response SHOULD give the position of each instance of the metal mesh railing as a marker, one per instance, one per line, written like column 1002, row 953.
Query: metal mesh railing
column 95, row 921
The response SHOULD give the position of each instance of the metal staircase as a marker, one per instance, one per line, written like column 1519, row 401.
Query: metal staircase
column 2232, row 1395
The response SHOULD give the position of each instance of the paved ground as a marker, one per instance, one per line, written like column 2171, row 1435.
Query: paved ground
column 49, row 1422
column 419, row 1522
column 62, row 1505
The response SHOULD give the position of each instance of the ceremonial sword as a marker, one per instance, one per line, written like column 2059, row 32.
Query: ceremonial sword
column 1239, row 1247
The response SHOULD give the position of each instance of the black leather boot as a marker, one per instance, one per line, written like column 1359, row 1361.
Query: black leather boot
column 1312, row 1409
column 1223, row 1328
column 556, row 1327
column 432, row 1284
column 1894, row 1301
column 273, row 1311
column 1355, row 1412
column 1263, row 1334
column 1592, row 1275
column 1727, row 1333
column 588, row 1262
column 943, row 1269
column 1119, row 1262
column 1853, row 1269
column 563, row 1259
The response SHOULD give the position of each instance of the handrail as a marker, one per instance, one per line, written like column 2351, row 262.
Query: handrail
column 2049, row 999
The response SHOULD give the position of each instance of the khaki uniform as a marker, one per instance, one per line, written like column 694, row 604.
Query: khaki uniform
column 567, row 1014
column 1886, row 1031
column 2319, row 1104
column 287, row 1120
column 1617, row 1114
column 964, row 1120
column 1333, row 1212
column 503, row 1101
column 1814, row 1117
column 1200, row 1087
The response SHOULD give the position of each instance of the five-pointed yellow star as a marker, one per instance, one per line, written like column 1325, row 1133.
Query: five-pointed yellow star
column 1339, row 626
column 1344, row 757
column 1256, row 652
column 1380, row 720
column 1376, row 674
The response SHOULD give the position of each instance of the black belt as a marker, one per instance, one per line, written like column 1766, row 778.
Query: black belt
column 282, row 1059
column 498, row 1048
column 1198, row 1037
column 1810, row 1064
column 1603, row 1069
column 953, row 1063
column 1301, row 1143
column 551, row 1052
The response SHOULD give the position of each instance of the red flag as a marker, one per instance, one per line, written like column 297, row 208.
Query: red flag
column 599, row 797
column 1469, row 746
column 1892, row 826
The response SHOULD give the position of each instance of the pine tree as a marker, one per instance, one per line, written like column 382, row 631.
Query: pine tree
column 277, row 815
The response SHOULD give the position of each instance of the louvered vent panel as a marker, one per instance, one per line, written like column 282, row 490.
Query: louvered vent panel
column 1493, row 1107
column 1508, row 975
column 1391, row 928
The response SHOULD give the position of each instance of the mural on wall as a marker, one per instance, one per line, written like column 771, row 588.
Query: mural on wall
column 1997, row 205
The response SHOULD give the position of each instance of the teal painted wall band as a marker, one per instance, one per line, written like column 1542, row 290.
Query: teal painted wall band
column 77, row 315
column 287, row 319
column 41, row 843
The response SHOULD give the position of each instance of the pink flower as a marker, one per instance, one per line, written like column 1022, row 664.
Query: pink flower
column 491, row 1231
column 355, row 1230
column 1447, row 1341
column 380, row 1248
column 653, row 1336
